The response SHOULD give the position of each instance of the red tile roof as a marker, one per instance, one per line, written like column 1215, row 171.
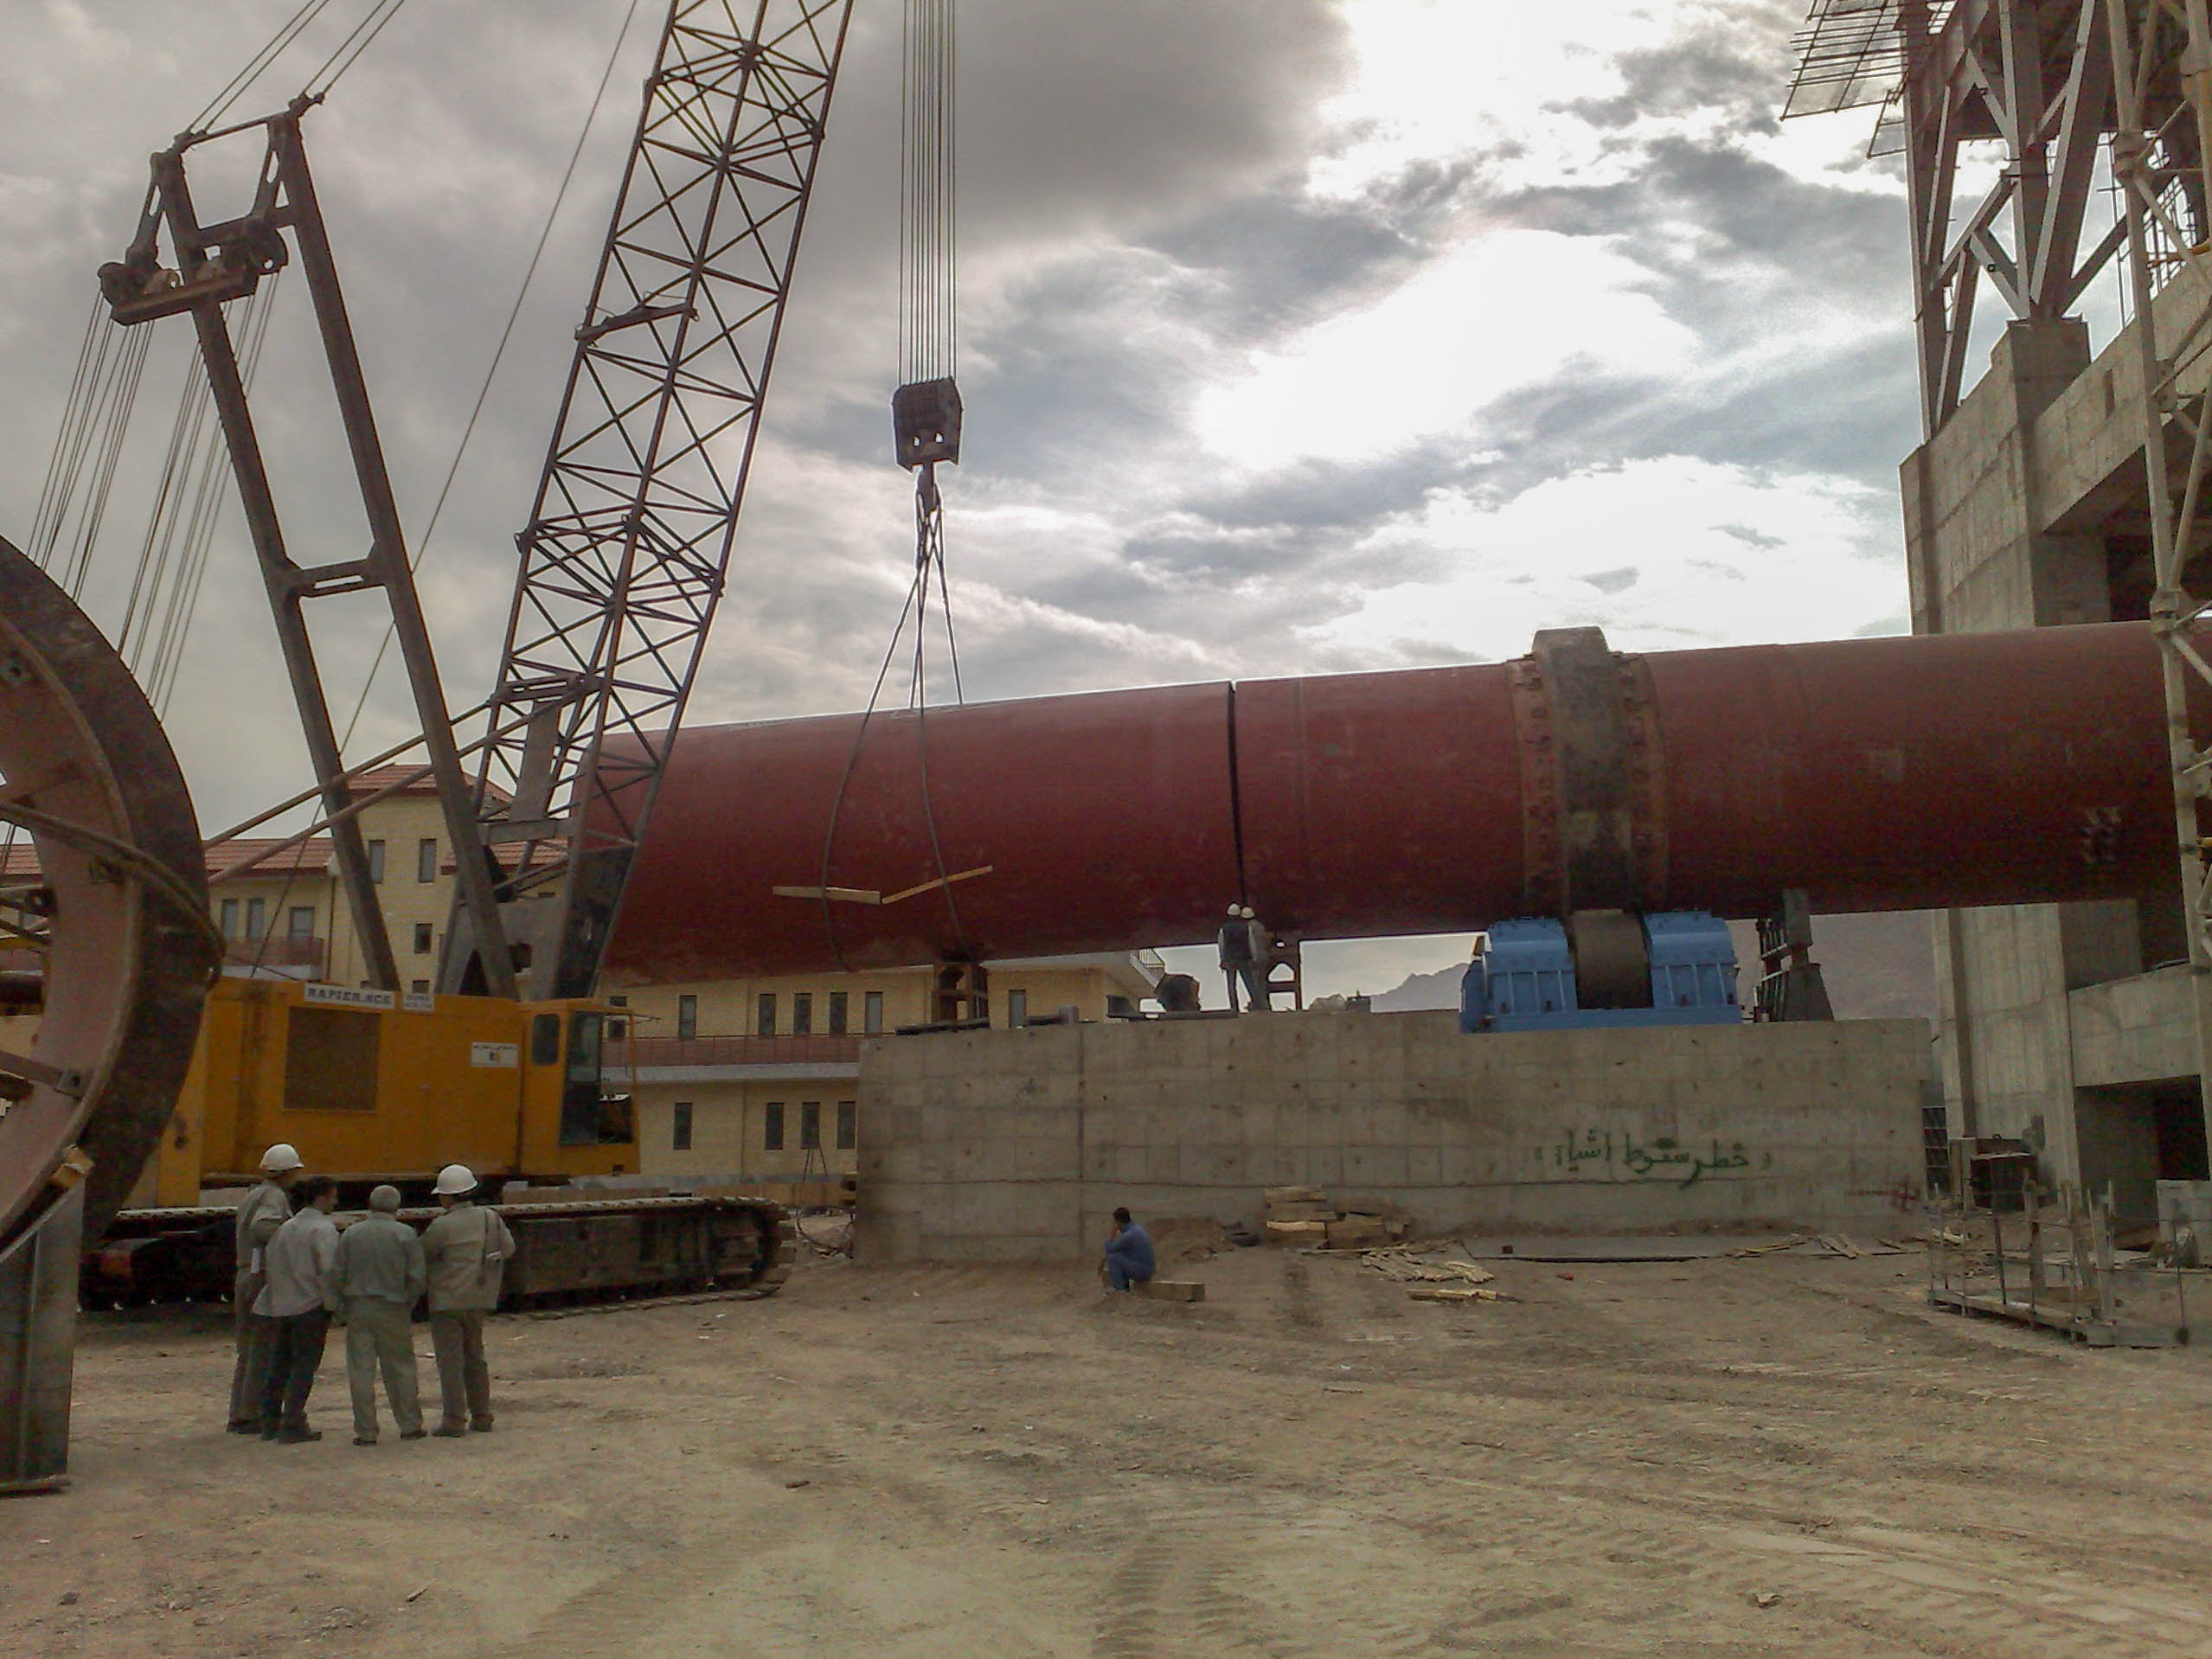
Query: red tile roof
column 376, row 777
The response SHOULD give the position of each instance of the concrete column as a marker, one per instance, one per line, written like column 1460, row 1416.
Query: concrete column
column 1981, row 557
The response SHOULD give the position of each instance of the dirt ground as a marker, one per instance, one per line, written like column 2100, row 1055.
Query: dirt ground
column 1626, row 1460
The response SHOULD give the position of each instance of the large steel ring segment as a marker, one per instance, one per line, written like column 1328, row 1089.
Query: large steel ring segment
column 109, row 940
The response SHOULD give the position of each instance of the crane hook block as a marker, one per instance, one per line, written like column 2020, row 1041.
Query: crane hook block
column 926, row 422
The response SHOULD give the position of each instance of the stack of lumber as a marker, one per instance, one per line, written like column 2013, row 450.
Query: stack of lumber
column 1306, row 1215
column 1429, row 1277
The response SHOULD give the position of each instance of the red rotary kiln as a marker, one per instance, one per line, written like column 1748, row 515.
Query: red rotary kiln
column 1875, row 774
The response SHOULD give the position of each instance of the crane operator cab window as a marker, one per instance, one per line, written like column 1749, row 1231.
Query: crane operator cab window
column 589, row 1117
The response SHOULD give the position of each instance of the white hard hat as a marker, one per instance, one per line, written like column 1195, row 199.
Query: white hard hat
column 454, row 1179
column 1236, row 910
column 282, row 1156
column 1246, row 912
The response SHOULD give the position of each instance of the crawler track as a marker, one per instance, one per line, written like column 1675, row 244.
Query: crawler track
column 591, row 1249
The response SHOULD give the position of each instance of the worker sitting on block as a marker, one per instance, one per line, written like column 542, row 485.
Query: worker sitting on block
column 1129, row 1258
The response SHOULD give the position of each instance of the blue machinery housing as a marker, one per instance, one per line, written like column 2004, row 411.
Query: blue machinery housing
column 1522, row 977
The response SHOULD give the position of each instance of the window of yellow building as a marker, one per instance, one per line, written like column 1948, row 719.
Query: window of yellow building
column 839, row 1003
column 679, row 1134
column 771, row 1126
column 802, row 1013
column 848, row 1124
column 871, row 1017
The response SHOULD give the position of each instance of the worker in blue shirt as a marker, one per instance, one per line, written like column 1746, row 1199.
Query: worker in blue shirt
column 1129, row 1258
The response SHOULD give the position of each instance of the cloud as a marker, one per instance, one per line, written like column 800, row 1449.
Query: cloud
column 1490, row 318
column 1666, row 554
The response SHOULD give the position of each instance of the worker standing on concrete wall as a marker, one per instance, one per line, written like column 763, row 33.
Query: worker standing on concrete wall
column 382, row 1271
column 1235, row 946
column 467, row 1250
column 1261, row 999
column 1129, row 1256
column 267, row 1207
column 299, row 1300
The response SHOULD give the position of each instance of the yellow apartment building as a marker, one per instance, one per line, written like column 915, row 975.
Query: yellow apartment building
column 748, row 1080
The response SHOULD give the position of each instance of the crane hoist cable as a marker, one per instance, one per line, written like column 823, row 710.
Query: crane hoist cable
column 926, row 410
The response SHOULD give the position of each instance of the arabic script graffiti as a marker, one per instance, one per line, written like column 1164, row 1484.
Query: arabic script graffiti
column 1617, row 1155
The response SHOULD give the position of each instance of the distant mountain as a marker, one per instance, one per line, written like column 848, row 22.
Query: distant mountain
column 1878, row 967
column 1422, row 990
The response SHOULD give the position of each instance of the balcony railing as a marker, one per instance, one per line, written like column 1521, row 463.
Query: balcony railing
column 733, row 1051
column 278, row 950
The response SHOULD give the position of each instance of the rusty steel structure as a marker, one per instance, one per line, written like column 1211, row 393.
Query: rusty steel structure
column 628, row 546
column 1874, row 774
column 116, row 926
column 179, row 265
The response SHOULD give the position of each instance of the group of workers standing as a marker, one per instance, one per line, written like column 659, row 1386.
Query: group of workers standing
column 297, row 1270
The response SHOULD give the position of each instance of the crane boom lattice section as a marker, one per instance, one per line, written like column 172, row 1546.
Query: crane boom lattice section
column 624, row 556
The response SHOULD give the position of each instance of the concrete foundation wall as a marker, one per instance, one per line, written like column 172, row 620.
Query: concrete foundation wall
column 1016, row 1145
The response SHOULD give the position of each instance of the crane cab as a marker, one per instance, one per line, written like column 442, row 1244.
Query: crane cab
column 381, row 1085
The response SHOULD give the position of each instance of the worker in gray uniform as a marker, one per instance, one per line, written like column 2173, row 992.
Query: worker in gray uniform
column 267, row 1207
column 466, row 1249
column 299, row 1298
column 381, row 1273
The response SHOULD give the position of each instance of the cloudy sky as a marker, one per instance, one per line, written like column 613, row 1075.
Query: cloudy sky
column 1298, row 337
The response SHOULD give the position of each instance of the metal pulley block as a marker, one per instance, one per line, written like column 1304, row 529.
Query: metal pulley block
column 926, row 422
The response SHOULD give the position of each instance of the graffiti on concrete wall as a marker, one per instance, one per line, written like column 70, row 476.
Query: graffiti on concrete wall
column 1619, row 1154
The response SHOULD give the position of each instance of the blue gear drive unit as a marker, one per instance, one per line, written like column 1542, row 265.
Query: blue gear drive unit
column 1523, row 976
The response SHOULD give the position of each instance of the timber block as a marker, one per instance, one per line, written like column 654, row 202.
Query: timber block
column 1171, row 1290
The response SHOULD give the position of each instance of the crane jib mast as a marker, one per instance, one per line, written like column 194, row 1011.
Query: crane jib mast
column 628, row 543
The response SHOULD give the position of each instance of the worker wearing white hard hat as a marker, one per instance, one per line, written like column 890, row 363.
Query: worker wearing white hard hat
column 266, row 1209
column 467, row 1250
column 381, row 1274
column 1234, row 945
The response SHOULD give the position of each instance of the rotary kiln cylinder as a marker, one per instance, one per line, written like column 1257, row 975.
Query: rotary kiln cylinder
column 1877, row 774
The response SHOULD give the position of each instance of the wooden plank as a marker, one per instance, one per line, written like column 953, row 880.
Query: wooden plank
column 1454, row 1293
column 1171, row 1290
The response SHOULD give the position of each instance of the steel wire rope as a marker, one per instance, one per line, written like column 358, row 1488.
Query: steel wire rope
column 208, row 504
column 94, row 340
column 922, row 758
column 311, row 90
column 927, row 350
column 158, row 543
column 499, row 354
column 126, row 377
column 257, row 65
column 852, row 763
